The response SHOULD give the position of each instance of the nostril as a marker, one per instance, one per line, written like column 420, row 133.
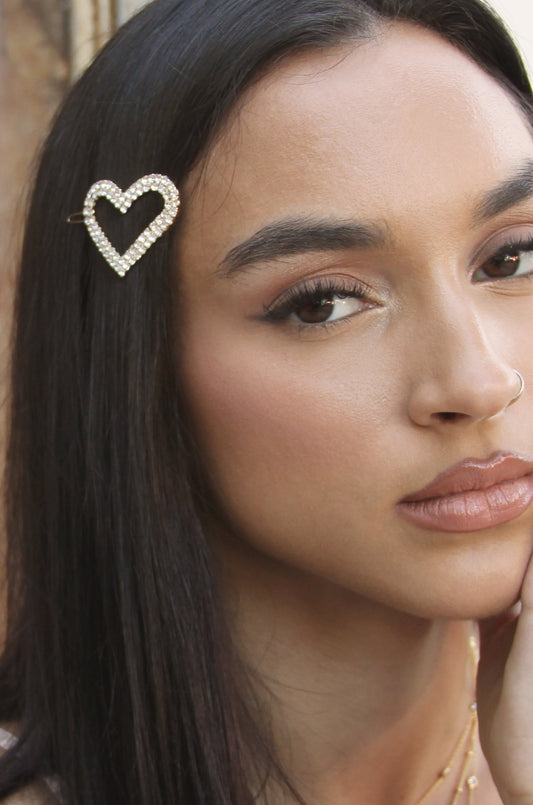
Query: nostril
column 449, row 416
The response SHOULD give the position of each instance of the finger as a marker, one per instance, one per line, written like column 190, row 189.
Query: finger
column 497, row 636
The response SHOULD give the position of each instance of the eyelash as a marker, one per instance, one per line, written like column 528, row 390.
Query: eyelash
column 312, row 292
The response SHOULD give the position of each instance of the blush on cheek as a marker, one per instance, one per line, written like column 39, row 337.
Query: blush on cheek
column 281, row 445
column 246, row 417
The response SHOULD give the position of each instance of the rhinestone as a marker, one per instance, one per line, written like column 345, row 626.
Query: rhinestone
column 472, row 782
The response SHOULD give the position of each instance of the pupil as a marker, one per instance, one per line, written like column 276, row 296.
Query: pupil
column 316, row 312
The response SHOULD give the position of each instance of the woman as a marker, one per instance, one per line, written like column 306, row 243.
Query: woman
column 266, row 469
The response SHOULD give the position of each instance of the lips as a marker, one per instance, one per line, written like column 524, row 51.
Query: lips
column 473, row 495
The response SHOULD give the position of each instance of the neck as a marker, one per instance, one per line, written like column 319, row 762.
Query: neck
column 354, row 690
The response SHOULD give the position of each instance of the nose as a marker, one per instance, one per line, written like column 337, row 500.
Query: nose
column 460, row 376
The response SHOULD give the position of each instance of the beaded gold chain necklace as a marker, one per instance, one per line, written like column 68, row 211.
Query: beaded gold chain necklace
column 467, row 745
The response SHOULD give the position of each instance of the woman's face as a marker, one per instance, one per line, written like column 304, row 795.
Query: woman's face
column 355, row 294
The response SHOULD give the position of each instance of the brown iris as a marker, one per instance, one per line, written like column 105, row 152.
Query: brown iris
column 316, row 312
column 502, row 265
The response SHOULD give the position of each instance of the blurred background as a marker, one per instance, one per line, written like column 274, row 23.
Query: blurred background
column 44, row 45
column 518, row 14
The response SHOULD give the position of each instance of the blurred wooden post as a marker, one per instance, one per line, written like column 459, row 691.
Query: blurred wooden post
column 92, row 22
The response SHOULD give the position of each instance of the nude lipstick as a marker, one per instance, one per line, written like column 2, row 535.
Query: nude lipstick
column 472, row 495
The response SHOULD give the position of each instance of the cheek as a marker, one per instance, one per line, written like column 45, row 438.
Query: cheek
column 285, row 440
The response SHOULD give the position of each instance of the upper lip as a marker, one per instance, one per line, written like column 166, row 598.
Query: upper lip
column 474, row 474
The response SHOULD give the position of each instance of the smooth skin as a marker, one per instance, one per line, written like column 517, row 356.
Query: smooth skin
column 313, row 431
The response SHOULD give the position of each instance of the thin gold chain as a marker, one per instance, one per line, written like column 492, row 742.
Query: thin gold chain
column 468, row 775
column 468, row 738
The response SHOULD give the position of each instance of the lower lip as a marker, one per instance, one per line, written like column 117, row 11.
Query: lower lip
column 471, row 511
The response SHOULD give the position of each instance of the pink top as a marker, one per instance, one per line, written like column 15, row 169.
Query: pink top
column 8, row 740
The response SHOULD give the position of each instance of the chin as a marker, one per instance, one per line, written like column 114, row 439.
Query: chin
column 474, row 603
column 476, row 581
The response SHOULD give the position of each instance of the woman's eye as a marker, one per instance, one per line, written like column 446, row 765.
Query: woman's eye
column 327, row 309
column 319, row 303
column 512, row 261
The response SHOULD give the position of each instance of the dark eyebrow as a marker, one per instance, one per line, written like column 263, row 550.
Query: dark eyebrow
column 291, row 236
column 505, row 195
column 297, row 236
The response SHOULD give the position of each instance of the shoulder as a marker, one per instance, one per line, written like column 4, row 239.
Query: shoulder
column 42, row 792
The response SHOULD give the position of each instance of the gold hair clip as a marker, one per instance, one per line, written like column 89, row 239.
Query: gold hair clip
column 122, row 200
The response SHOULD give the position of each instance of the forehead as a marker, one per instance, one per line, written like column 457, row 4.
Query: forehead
column 384, row 128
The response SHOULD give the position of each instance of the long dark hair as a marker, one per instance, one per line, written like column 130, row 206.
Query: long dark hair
column 118, row 667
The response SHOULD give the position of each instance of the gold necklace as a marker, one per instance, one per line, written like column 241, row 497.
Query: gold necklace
column 467, row 742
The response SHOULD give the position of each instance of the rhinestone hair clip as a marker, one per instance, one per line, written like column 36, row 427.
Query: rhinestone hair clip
column 122, row 200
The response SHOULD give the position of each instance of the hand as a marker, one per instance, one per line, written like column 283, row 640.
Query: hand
column 505, row 698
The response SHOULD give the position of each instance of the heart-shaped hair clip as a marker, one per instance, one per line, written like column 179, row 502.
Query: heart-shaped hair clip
column 122, row 200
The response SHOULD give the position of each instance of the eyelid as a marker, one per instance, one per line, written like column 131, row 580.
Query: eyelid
column 520, row 245
column 512, row 235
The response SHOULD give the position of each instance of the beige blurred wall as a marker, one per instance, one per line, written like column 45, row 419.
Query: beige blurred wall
column 518, row 15
column 33, row 76
column 32, row 79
